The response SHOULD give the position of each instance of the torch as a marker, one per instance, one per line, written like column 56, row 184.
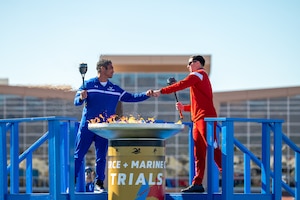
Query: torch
column 171, row 81
column 83, row 70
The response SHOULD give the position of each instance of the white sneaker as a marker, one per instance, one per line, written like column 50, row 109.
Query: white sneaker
column 67, row 190
column 99, row 189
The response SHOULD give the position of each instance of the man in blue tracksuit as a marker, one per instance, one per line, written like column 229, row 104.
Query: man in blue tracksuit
column 100, row 97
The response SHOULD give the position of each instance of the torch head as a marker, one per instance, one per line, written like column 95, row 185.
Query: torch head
column 82, row 68
column 171, row 81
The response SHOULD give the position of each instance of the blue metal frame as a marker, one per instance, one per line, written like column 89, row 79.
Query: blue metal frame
column 227, row 144
column 61, row 137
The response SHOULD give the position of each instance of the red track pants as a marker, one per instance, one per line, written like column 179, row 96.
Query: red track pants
column 200, row 148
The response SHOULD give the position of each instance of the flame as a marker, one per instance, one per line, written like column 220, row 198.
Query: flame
column 122, row 119
column 101, row 116
column 112, row 119
column 95, row 120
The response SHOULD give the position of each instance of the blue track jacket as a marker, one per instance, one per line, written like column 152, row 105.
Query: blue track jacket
column 103, row 100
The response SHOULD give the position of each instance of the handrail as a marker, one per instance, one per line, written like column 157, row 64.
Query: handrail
column 32, row 119
column 32, row 148
column 56, row 128
column 228, row 141
column 290, row 143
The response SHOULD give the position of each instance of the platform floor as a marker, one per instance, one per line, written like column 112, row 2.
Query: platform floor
column 287, row 198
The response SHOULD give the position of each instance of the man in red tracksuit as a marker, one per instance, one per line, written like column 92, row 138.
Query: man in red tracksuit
column 201, row 106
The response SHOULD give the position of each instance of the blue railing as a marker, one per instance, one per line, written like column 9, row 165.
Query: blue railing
column 61, row 130
column 269, row 189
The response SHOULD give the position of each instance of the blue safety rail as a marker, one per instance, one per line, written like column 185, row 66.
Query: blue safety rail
column 271, row 176
column 62, row 130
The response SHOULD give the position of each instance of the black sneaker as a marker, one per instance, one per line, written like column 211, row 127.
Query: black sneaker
column 194, row 188
column 99, row 188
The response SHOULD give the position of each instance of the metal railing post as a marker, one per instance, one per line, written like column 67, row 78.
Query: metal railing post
column 71, row 143
column 29, row 173
column 210, row 157
column 277, row 179
column 64, row 155
column 247, row 175
column 227, row 159
column 297, row 175
column 3, row 162
column 14, row 159
column 265, row 166
column 54, row 159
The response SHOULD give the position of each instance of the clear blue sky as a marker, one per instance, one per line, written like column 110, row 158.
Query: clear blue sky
column 253, row 43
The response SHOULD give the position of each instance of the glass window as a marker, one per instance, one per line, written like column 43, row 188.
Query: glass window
column 184, row 150
column 183, row 138
column 129, row 80
column 284, row 127
column 238, row 114
column 146, row 80
column 167, row 107
column 295, row 118
column 255, row 128
column 170, row 150
column 258, row 115
column 240, row 128
column 295, row 128
column 278, row 115
column 117, row 79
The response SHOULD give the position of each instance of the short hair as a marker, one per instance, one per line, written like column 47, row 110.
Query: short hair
column 103, row 63
column 199, row 58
